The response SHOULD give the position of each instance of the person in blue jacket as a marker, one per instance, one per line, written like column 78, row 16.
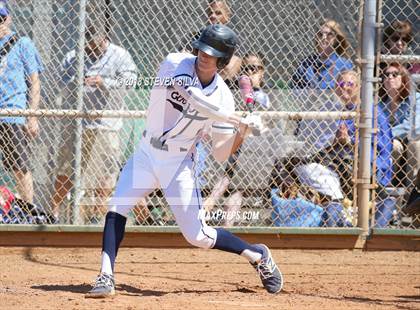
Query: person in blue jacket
column 403, row 111
column 335, row 142
column 321, row 69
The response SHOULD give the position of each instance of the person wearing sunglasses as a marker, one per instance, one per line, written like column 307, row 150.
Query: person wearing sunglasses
column 348, row 92
column 253, row 67
column 394, row 95
column 335, row 140
column 341, row 153
column 397, row 38
column 20, row 67
column 335, row 143
column 321, row 69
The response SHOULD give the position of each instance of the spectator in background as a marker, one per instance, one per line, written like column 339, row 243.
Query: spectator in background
column 20, row 66
column 334, row 143
column 254, row 68
column 306, row 196
column 340, row 138
column 334, row 140
column 397, row 38
column 108, row 69
column 327, row 188
column 218, row 12
column 342, row 148
column 321, row 69
column 395, row 101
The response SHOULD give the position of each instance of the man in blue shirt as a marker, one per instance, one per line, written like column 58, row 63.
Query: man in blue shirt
column 19, row 89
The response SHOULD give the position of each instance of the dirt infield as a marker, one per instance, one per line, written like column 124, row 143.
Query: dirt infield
column 51, row 278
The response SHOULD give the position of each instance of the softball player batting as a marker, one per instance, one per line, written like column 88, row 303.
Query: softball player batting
column 165, row 157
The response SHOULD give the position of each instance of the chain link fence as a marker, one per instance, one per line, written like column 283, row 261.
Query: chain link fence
column 301, row 57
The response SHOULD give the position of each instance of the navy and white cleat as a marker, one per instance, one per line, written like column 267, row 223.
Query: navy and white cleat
column 104, row 287
column 269, row 273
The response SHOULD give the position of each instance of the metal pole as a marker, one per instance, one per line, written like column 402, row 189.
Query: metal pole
column 366, row 120
column 80, row 63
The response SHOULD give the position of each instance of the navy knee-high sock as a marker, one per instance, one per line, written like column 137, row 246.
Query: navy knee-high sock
column 226, row 241
column 113, row 234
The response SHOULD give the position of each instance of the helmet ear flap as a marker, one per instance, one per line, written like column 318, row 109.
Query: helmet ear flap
column 222, row 62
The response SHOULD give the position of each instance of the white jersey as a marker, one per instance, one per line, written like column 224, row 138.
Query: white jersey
column 162, row 159
column 171, row 119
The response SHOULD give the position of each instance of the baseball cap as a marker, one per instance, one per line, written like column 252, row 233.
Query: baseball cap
column 3, row 8
column 321, row 178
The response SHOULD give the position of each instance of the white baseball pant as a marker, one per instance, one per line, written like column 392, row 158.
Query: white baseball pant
column 173, row 171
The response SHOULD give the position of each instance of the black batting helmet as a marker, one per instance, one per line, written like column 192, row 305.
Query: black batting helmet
column 218, row 41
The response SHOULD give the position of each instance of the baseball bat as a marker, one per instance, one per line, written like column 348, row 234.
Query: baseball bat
column 247, row 93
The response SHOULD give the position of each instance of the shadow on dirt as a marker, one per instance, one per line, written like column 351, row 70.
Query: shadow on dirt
column 128, row 290
column 122, row 289
column 73, row 288
column 29, row 256
column 415, row 297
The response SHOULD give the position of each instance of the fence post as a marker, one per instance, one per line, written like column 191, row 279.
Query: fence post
column 366, row 113
column 80, row 64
